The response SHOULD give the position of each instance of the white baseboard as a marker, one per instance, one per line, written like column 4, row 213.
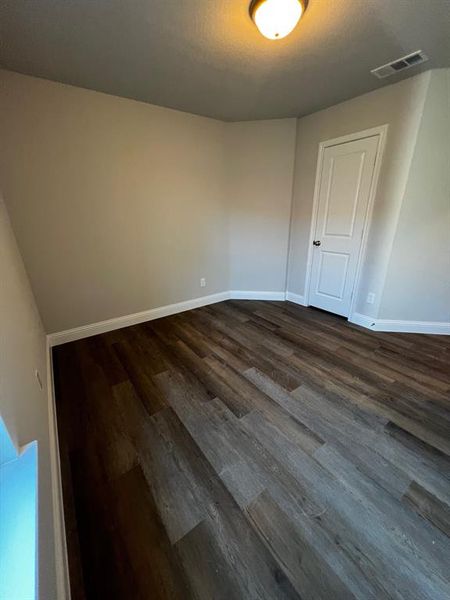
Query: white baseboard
column 398, row 326
column 296, row 298
column 70, row 335
column 244, row 295
column 433, row 327
column 78, row 333
column 363, row 321
column 61, row 558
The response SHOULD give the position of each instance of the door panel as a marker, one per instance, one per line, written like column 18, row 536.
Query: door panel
column 332, row 274
column 343, row 184
column 344, row 188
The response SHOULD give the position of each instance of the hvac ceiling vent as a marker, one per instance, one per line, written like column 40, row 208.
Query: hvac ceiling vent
column 411, row 60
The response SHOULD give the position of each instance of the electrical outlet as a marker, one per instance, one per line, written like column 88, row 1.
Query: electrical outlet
column 39, row 380
column 202, row 282
column 371, row 298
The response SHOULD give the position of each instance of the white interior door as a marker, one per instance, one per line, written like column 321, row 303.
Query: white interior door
column 344, row 188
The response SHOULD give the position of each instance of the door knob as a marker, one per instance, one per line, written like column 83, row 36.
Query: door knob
column 317, row 242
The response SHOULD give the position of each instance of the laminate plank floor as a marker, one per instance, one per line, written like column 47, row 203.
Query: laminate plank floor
column 255, row 450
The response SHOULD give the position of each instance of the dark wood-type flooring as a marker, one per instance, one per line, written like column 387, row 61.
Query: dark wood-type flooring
column 255, row 450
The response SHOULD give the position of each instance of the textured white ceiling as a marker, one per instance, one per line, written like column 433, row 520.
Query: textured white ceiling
column 206, row 56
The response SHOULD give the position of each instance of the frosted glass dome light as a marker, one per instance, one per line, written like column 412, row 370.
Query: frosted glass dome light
column 276, row 19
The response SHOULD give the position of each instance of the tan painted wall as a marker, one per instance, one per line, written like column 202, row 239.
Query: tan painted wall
column 417, row 285
column 400, row 106
column 23, row 405
column 121, row 206
column 118, row 206
column 260, row 161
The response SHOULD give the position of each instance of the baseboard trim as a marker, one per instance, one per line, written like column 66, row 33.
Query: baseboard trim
column 363, row 321
column 250, row 295
column 78, row 333
column 296, row 298
column 398, row 326
column 433, row 327
column 61, row 557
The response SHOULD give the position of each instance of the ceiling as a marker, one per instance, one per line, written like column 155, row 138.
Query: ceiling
column 207, row 57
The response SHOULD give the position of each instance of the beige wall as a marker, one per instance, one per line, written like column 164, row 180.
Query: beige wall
column 118, row 206
column 417, row 285
column 260, row 161
column 399, row 106
column 23, row 405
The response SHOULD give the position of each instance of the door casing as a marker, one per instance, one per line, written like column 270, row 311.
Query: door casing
column 380, row 131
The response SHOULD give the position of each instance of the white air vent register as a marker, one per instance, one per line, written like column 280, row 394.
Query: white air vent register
column 406, row 62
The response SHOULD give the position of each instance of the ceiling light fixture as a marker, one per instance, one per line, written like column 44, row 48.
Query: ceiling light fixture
column 275, row 19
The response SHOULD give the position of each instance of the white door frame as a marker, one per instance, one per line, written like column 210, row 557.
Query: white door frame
column 381, row 131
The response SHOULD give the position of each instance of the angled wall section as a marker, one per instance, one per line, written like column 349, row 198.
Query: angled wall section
column 259, row 167
column 417, row 286
column 23, row 404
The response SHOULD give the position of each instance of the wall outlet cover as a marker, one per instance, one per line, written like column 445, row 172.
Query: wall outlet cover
column 370, row 298
column 202, row 282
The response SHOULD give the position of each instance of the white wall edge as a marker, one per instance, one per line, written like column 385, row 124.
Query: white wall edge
column 250, row 295
column 296, row 298
column 398, row 326
column 61, row 557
